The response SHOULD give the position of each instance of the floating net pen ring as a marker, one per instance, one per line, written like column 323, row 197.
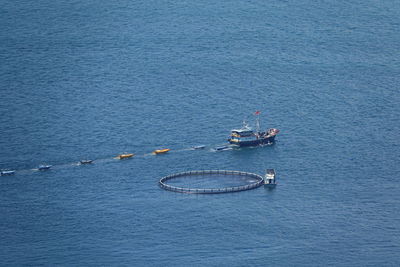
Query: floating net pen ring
column 235, row 181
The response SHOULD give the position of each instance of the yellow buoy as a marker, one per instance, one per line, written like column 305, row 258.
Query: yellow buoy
column 125, row 156
column 161, row 151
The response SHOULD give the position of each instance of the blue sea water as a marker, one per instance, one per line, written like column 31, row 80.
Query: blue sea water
column 92, row 79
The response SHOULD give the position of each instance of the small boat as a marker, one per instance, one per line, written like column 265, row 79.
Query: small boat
column 221, row 148
column 161, row 151
column 269, row 178
column 6, row 172
column 86, row 161
column 198, row 147
column 125, row 156
column 44, row 167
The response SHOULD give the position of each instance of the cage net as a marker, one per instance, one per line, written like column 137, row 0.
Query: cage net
column 215, row 181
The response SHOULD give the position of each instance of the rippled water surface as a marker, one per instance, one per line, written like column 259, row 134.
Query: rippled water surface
column 93, row 79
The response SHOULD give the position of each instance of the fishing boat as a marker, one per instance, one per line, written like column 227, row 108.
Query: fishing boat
column 246, row 136
column 7, row 172
column 125, row 156
column 44, row 167
column 269, row 178
column 161, row 151
column 86, row 161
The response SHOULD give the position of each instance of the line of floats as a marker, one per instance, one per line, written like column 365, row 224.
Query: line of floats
column 130, row 155
column 45, row 167
column 245, row 136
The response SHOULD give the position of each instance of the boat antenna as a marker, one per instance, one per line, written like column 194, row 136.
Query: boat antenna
column 257, row 120
column 245, row 124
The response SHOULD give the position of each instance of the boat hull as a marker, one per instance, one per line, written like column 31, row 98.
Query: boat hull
column 261, row 141
column 7, row 173
column 270, row 186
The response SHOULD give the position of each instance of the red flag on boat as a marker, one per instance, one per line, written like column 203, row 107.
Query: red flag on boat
column 257, row 112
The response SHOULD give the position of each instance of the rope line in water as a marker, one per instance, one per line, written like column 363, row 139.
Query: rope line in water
column 108, row 159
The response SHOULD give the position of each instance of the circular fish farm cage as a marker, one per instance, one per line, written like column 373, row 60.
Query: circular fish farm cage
column 211, row 181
